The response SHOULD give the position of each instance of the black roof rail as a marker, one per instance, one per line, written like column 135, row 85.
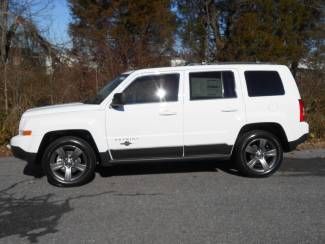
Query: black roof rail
column 192, row 64
column 240, row 62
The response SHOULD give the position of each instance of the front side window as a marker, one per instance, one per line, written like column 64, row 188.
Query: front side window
column 263, row 83
column 212, row 85
column 153, row 89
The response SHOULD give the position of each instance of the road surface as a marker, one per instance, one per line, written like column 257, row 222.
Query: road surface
column 188, row 202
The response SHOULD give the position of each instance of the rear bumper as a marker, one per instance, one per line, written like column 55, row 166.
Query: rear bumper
column 293, row 144
column 20, row 153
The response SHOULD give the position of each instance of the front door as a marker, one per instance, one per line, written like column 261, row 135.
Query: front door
column 149, row 124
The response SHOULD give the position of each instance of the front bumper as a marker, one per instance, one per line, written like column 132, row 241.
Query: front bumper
column 24, row 147
column 20, row 153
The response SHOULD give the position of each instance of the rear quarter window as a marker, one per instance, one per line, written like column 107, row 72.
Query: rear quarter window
column 263, row 83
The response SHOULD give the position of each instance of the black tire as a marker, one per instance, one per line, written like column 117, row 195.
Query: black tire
column 67, row 156
column 254, row 161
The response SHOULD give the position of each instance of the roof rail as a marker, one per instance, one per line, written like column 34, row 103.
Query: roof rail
column 240, row 62
column 192, row 64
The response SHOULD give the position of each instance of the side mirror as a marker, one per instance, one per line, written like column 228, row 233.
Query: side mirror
column 118, row 100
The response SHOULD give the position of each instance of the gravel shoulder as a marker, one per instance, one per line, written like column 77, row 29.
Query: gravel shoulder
column 306, row 154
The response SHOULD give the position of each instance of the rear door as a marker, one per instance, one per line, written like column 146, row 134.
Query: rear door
column 213, row 112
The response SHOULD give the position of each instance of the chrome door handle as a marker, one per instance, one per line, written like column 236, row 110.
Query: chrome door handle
column 229, row 110
column 167, row 113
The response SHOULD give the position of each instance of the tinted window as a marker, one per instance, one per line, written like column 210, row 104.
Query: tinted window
column 210, row 85
column 151, row 89
column 263, row 83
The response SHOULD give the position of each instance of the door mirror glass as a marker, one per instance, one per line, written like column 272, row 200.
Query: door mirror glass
column 118, row 100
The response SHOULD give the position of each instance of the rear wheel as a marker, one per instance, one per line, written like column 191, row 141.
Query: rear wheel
column 69, row 161
column 258, row 154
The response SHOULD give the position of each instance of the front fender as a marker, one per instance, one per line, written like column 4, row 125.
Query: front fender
column 90, row 121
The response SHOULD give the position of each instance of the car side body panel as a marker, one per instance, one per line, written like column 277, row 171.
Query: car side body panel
column 202, row 128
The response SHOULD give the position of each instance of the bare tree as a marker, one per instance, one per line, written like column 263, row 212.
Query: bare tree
column 23, row 15
column 4, row 46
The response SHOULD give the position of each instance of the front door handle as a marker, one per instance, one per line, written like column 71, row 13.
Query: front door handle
column 228, row 110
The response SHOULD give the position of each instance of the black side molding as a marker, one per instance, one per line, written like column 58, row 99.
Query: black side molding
column 104, row 158
column 159, row 152
column 220, row 149
column 166, row 153
column 21, row 154
column 295, row 143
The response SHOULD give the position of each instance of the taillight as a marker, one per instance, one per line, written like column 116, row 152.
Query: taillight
column 301, row 111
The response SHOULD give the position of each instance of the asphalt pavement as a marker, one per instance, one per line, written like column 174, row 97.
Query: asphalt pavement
column 174, row 202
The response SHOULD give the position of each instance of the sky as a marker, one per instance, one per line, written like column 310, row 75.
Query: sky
column 55, row 22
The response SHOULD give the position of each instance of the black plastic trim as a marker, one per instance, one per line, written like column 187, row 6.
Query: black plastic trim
column 196, row 151
column 222, row 149
column 159, row 152
column 170, row 159
column 295, row 143
column 104, row 157
column 21, row 154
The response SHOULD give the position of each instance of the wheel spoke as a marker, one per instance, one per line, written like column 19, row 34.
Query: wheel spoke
column 76, row 153
column 67, row 174
column 60, row 151
column 262, row 143
column 264, row 163
column 57, row 166
column 80, row 167
column 271, row 153
column 252, row 163
column 250, row 149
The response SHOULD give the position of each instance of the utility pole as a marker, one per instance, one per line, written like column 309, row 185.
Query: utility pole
column 4, row 28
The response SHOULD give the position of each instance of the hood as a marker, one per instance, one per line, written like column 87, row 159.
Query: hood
column 61, row 108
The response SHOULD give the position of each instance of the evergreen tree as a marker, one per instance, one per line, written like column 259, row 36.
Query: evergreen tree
column 123, row 34
column 276, row 31
column 281, row 31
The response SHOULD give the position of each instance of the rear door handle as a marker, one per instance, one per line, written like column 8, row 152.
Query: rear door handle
column 167, row 113
column 228, row 110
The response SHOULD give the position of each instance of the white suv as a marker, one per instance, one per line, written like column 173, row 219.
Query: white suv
column 251, row 113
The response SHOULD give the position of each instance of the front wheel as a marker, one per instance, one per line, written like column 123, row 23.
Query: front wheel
column 69, row 161
column 258, row 154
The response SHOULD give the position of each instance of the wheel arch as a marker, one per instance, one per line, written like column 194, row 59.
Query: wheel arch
column 271, row 127
column 53, row 135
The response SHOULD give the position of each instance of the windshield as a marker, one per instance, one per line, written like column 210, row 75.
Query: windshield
column 106, row 90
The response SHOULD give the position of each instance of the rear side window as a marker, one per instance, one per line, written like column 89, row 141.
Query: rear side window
column 263, row 83
column 212, row 85
column 153, row 89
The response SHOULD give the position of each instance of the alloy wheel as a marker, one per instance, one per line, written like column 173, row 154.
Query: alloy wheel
column 68, row 163
column 261, row 155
